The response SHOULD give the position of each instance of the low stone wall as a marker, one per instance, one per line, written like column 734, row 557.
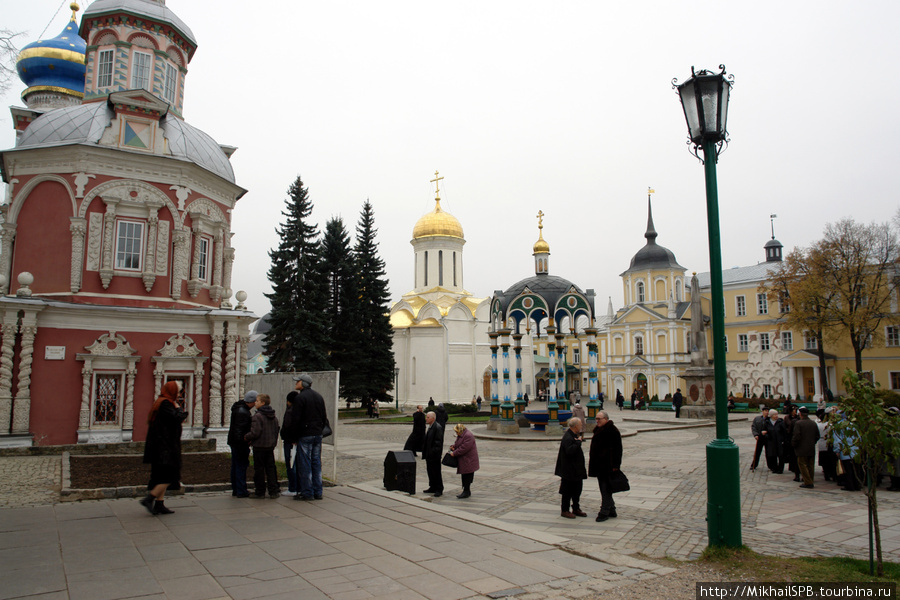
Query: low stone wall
column 201, row 445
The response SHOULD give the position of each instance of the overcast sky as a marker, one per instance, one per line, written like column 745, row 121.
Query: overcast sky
column 564, row 107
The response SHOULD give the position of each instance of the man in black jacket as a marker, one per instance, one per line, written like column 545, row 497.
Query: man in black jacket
column 756, row 429
column 417, row 438
column 308, row 419
column 677, row 401
column 570, row 467
column 432, row 452
column 606, row 458
column 240, row 449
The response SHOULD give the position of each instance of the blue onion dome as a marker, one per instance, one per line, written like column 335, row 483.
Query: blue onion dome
column 55, row 65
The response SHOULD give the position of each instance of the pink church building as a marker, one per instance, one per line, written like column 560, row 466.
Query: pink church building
column 115, row 242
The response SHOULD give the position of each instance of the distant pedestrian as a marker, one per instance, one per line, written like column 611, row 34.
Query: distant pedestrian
column 570, row 469
column 803, row 440
column 432, row 453
column 430, row 402
column 240, row 450
column 263, row 437
column 441, row 415
column 478, row 400
column 601, row 398
column 288, row 444
column 827, row 458
column 634, row 398
column 163, row 447
column 466, row 452
column 773, row 432
column 524, row 397
column 606, row 458
column 677, row 401
column 790, row 457
column 416, row 439
column 620, row 400
column 578, row 413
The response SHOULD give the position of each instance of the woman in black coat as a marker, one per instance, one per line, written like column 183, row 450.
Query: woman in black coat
column 163, row 448
column 570, row 468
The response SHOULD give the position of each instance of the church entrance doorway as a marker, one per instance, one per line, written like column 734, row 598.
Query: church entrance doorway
column 640, row 384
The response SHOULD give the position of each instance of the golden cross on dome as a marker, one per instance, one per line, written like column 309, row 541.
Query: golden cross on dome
column 437, row 185
column 540, row 217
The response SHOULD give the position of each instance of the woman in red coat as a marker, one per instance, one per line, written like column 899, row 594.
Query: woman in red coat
column 466, row 453
column 163, row 448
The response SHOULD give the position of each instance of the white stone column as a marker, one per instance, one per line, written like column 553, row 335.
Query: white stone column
column 78, row 229
column 10, row 328
column 109, row 241
column 215, row 376
column 817, row 383
column 230, row 375
column 7, row 235
column 22, row 402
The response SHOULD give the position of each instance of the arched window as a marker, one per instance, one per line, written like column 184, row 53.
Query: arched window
column 440, row 267
column 640, row 291
column 454, row 269
column 678, row 292
column 638, row 344
column 426, row 267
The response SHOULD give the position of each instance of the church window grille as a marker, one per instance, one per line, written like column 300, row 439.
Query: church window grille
column 105, row 68
column 767, row 390
column 764, row 341
column 171, row 84
column 640, row 291
column 426, row 267
column 106, row 399
column 740, row 306
column 440, row 267
column 745, row 390
column 762, row 304
column 140, row 71
column 743, row 344
column 892, row 336
column 787, row 340
column 129, row 242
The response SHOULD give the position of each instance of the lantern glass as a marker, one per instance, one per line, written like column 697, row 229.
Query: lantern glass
column 689, row 103
column 704, row 98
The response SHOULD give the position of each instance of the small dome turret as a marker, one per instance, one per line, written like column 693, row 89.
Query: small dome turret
column 54, row 69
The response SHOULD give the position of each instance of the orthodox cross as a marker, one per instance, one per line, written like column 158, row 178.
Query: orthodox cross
column 540, row 217
column 437, row 185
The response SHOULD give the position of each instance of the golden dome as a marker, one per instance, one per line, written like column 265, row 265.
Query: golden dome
column 541, row 246
column 438, row 222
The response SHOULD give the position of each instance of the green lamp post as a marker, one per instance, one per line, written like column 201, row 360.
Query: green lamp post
column 704, row 98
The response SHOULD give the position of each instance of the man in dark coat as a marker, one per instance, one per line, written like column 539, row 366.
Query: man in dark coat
column 803, row 439
column 416, row 439
column 677, row 401
column 773, row 432
column 570, row 467
column 606, row 458
column 288, row 443
column 308, row 420
column 756, row 431
column 240, row 449
column 432, row 452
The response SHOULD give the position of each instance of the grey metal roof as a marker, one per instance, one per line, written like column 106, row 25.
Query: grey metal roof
column 151, row 8
column 85, row 123
column 756, row 272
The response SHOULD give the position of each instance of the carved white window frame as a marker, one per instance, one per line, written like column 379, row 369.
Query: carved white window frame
column 109, row 354
column 180, row 358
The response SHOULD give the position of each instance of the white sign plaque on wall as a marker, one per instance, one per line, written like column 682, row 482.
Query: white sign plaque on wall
column 54, row 353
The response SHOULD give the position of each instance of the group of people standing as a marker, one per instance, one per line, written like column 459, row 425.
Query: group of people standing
column 305, row 420
column 427, row 437
column 605, row 461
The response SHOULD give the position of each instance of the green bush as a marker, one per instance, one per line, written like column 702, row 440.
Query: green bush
column 655, row 398
column 888, row 397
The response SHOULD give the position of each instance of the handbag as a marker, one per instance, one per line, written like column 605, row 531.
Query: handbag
column 618, row 482
column 450, row 461
column 326, row 430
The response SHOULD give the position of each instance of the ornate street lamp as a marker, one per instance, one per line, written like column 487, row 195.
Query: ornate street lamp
column 704, row 98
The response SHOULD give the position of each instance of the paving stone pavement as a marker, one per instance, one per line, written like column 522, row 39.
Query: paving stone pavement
column 365, row 542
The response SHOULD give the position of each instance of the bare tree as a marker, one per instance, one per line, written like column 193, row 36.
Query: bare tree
column 8, row 55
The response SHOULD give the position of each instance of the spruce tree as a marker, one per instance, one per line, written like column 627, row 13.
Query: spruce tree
column 338, row 270
column 297, row 338
column 374, row 372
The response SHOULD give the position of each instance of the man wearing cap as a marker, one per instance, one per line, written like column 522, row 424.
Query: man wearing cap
column 677, row 401
column 803, row 439
column 308, row 419
column 240, row 449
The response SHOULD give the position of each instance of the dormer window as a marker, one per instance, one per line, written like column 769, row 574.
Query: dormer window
column 140, row 71
column 104, row 68
column 640, row 291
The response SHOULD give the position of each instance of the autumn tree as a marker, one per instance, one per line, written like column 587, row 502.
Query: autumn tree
column 8, row 55
column 797, row 287
column 860, row 269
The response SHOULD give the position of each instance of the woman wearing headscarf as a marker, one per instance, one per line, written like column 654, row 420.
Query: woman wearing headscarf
column 466, row 454
column 163, row 448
